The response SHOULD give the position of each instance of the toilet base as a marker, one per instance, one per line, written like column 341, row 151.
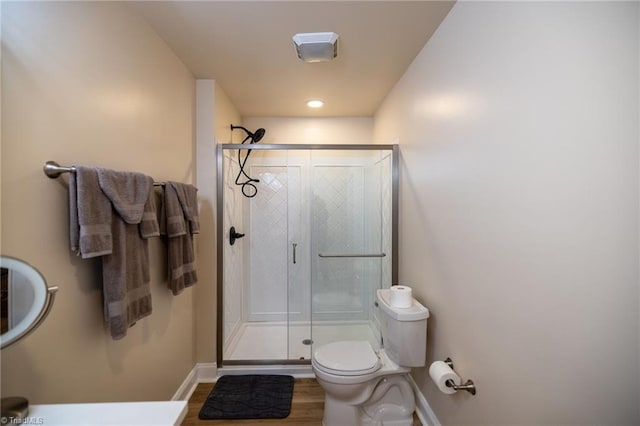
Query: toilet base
column 394, row 415
column 340, row 414
column 337, row 413
column 391, row 404
column 405, row 422
column 385, row 423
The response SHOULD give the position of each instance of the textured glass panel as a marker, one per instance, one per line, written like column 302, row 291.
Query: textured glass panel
column 338, row 210
column 267, row 292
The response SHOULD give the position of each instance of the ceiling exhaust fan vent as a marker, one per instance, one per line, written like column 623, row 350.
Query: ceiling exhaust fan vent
column 316, row 47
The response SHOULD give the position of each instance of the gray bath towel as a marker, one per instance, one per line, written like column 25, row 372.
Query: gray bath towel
column 180, row 257
column 89, row 214
column 188, row 197
column 149, row 226
column 127, row 191
column 125, row 272
column 174, row 224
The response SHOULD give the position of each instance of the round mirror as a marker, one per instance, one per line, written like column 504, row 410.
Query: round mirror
column 25, row 302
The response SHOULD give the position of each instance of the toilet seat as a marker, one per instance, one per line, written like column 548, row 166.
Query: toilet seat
column 347, row 358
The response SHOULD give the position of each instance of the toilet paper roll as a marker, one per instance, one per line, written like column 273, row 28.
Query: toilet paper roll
column 401, row 296
column 440, row 372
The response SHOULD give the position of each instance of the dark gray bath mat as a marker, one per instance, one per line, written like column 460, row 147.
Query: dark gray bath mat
column 249, row 397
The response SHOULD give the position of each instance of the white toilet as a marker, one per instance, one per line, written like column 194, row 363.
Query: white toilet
column 367, row 387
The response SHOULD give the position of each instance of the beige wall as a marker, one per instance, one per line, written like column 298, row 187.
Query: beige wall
column 215, row 114
column 331, row 130
column 518, row 129
column 88, row 83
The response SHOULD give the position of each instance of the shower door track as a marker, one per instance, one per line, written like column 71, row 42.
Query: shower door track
column 267, row 362
column 395, row 179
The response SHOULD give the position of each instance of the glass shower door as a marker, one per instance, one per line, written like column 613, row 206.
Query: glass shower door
column 256, row 269
column 299, row 265
column 317, row 244
column 351, row 242
column 278, row 290
column 267, row 257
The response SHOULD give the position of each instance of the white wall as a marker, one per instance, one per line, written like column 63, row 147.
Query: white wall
column 88, row 83
column 298, row 130
column 518, row 128
column 215, row 113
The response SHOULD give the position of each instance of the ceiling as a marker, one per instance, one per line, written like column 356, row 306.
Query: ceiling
column 246, row 47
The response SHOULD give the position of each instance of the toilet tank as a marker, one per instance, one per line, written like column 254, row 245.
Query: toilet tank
column 404, row 331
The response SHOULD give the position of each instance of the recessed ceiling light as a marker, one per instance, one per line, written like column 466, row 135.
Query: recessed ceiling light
column 315, row 103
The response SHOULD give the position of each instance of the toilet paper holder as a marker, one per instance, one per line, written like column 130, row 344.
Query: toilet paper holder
column 468, row 386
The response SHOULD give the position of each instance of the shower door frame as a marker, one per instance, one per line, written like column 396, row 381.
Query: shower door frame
column 395, row 178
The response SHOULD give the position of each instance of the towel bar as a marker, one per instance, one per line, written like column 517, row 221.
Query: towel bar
column 54, row 170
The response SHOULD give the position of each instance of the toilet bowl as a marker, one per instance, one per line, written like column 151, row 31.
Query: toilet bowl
column 361, row 391
column 368, row 387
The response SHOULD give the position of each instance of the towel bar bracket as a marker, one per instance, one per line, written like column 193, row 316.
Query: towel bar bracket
column 54, row 170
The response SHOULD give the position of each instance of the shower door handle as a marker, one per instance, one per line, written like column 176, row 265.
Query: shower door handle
column 353, row 255
column 294, row 252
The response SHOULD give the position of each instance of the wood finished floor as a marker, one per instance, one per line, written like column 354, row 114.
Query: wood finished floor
column 306, row 408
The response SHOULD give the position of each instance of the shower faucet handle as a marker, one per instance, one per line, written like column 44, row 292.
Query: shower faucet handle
column 233, row 235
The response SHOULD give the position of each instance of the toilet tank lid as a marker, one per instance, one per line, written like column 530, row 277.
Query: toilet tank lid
column 415, row 312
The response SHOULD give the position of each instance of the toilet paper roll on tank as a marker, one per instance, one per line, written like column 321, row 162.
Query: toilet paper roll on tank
column 400, row 296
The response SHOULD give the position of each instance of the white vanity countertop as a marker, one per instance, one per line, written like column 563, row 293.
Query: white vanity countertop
column 160, row 413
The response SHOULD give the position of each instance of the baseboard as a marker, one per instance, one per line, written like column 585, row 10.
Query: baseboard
column 207, row 372
column 200, row 373
column 188, row 386
column 423, row 410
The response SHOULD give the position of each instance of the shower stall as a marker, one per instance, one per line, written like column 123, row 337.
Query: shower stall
column 306, row 235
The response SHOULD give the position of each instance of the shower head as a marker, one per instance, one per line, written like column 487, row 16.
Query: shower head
column 258, row 135
column 254, row 136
